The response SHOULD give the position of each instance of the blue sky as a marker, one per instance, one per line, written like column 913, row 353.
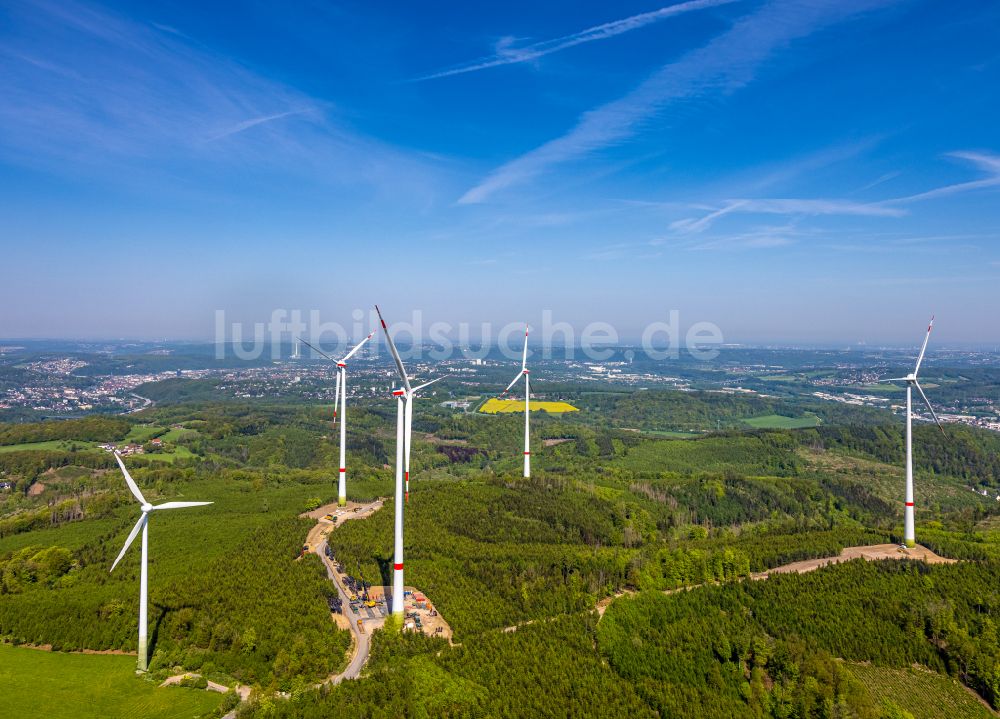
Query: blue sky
column 800, row 171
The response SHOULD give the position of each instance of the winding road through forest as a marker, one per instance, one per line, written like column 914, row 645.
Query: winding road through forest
column 316, row 541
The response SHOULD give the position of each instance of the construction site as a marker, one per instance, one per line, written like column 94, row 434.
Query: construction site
column 360, row 605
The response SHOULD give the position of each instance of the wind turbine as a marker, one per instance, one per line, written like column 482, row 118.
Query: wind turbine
column 909, row 534
column 340, row 396
column 144, row 571
column 404, row 417
column 527, row 409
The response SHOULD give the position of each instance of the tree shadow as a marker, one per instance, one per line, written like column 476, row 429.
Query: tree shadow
column 384, row 570
column 162, row 611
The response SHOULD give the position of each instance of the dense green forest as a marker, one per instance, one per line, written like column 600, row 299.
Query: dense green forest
column 778, row 648
column 612, row 508
column 226, row 593
column 767, row 648
column 93, row 429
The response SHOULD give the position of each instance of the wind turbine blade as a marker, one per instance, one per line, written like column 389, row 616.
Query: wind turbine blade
column 336, row 396
column 923, row 349
column 928, row 403
column 358, row 346
column 131, row 537
column 178, row 505
column 513, row 382
column 317, row 349
column 425, row 384
column 524, row 354
column 894, row 379
column 392, row 349
column 133, row 487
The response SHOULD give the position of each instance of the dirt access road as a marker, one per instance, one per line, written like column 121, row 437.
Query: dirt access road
column 870, row 553
column 316, row 541
column 431, row 621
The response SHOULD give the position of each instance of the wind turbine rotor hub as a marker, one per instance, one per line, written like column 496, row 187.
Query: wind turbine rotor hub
column 146, row 507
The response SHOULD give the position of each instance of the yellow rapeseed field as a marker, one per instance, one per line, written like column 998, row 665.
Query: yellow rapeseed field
column 496, row 406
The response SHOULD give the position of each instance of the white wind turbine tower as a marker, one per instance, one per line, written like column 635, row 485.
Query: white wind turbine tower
column 340, row 396
column 909, row 533
column 144, row 571
column 527, row 399
column 409, row 432
column 404, row 414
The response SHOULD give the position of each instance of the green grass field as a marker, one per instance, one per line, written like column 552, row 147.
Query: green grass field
column 923, row 693
column 175, row 434
column 81, row 686
column 777, row 421
column 669, row 434
column 61, row 445
column 64, row 445
column 142, row 433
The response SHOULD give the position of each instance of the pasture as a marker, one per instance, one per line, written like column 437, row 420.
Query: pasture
column 84, row 686
column 777, row 421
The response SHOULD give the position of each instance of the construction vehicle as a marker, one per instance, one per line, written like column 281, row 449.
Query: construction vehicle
column 328, row 517
column 361, row 627
column 369, row 603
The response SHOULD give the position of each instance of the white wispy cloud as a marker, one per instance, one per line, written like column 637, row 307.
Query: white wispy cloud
column 508, row 53
column 759, row 238
column 892, row 207
column 987, row 162
column 253, row 122
column 725, row 64
column 804, row 207
column 88, row 90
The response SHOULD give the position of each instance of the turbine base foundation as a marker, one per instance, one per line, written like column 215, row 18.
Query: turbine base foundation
column 397, row 592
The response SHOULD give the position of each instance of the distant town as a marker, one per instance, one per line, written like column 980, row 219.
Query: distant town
column 70, row 381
